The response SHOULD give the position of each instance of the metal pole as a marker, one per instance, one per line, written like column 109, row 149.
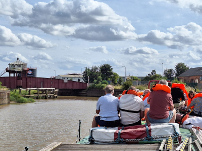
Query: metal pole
column 125, row 73
column 55, row 73
column 162, row 69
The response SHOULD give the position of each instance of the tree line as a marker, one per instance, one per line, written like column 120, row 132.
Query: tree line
column 99, row 75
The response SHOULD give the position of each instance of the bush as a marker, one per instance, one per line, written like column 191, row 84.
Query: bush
column 97, row 86
column 104, row 82
column 141, row 87
column 15, row 96
column 127, row 84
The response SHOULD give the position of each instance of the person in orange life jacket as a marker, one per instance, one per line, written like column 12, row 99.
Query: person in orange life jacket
column 146, row 105
column 108, row 109
column 131, row 107
column 178, row 94
column 191, row 95
column 161, row 104
column 188, row 123
column 196, row 104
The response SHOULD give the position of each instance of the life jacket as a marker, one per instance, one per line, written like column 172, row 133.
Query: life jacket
column 181, row 86
column 140, row 93
column 131, row 92
column 147, row 95
column 196, row 96
column 162, row 87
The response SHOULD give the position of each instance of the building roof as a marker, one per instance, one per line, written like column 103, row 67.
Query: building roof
column 71, row 76
column 192, row 72
column 17, row 62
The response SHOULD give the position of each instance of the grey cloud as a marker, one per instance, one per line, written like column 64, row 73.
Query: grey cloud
column 84, row 19
column 103, row 33
column 99, row 49
column 193, row 5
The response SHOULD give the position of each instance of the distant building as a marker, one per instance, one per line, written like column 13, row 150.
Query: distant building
column 193, row 75
column 72, row 77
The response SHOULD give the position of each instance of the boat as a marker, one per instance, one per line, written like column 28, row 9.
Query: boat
column 166, row 136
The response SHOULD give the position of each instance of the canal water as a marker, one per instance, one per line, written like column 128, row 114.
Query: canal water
column 38, row 124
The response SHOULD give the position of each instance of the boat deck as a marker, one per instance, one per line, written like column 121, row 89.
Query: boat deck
column 117, row 147
column 146, row 146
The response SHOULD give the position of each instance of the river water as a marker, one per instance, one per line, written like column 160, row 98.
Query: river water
column 38, row 124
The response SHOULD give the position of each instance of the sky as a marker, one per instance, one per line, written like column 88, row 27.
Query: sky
column 65, row 36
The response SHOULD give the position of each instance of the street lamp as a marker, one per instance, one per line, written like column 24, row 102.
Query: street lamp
column 55, row 73
column 125, row 72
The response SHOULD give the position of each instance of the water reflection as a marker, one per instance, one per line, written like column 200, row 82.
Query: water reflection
column 32, row 124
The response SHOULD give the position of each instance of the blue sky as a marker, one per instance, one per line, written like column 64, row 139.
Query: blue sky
column 68, row 35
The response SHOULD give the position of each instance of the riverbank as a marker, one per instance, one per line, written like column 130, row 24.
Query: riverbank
column 77, row 98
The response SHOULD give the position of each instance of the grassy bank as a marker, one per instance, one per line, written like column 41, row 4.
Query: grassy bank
column 18, row 98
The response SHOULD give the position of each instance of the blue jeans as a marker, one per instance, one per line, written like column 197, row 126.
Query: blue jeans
column 166, row 120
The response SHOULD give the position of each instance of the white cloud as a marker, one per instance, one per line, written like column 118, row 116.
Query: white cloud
column 42, row 56
column 99, row 49
column 194, row 56
column 194, row 5
column 15, row 8
column 179, row 37
column 134, row 51
column 34, row 41
column 113, row 62
column 83, row 19
column 68, row 62
column 7, row 38
column 12, row 56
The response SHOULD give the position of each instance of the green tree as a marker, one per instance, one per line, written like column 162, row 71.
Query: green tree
column 153, row 72
column 115, row 78
column 106, row 71
column 94, row 74
column 180, row 68
column 127, row 84
column 120, row 81
column 135, row 78
column 86, row 73
column 152, row 76
column 169, row 73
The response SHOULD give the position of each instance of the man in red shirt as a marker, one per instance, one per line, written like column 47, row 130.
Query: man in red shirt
column 161, row 104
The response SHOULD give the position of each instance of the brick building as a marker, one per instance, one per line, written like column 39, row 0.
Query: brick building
column 193, row 75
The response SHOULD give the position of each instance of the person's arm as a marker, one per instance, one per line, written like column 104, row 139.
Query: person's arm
column 97, row 111
column 141, row 114
column 148, row 100
column 171, row 107
column 192, row 104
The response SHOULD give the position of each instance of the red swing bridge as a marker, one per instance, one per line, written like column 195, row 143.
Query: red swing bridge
column 22, row 77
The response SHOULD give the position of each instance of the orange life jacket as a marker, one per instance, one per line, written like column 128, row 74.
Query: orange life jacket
column 181, row 86
column 130, row 92
column 196, row 96
column 161, row 87
column 147, row 95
